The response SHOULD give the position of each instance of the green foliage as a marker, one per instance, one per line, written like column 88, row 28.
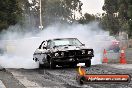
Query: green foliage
column 110, row 6
column 14, row 11
column 86, row 18
column 9, row 13
column 118, row 16
column 57, row 10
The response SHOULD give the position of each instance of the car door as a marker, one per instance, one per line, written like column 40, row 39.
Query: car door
column 42, row 52
column 37, row 53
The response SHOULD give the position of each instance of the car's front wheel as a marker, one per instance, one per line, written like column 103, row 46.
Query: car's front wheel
column 52, row 64
column 88, row 63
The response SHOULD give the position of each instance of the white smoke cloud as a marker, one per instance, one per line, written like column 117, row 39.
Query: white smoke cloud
column 20, row 47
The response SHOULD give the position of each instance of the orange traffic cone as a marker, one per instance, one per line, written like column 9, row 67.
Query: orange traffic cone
column 105, row 59
column 122, row 56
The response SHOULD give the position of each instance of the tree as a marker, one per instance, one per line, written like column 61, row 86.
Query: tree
column 118, row 16
column 87, row 18
column 110, row 21
column 28, row 13
column 10, row 13
column 57, row 10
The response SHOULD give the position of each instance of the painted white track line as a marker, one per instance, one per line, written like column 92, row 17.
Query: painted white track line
column 2, row 85
column 25, row 81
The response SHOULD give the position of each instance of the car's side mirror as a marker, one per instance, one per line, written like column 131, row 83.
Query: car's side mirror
column 39, row 47
column 83, row 44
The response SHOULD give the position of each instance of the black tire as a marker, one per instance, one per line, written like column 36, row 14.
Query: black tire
column 52, row 64
column 73, row 65
column 88, row 63
column 41, row 66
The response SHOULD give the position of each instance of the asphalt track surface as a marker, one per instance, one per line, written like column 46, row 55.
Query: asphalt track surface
column 63, row 77
column 59, row 77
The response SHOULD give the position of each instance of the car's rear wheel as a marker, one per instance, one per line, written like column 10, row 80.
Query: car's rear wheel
column 52, row 64
column 73, row 65
column 88, row 63
column 41, row 66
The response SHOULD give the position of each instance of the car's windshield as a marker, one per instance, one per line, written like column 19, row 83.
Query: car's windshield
column 65, row 42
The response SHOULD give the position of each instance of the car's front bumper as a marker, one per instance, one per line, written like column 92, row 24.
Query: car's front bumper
column 72, row 59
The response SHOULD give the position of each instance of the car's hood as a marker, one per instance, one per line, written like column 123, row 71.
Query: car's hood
column 65, row 48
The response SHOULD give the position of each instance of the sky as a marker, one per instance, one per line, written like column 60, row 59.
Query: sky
column 92, row 6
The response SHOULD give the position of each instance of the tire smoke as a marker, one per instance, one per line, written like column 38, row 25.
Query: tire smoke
column 18, row 48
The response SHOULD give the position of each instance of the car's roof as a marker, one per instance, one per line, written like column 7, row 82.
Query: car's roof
column 60, row 38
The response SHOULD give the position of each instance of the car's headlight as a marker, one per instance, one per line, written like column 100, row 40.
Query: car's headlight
column 89, row 52
column 83, row 51
column 62, row 53
column 56, row 54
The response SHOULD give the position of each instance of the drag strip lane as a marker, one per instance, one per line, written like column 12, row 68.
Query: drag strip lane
column 2, row 85
column 66, row 77
column 9, row 80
